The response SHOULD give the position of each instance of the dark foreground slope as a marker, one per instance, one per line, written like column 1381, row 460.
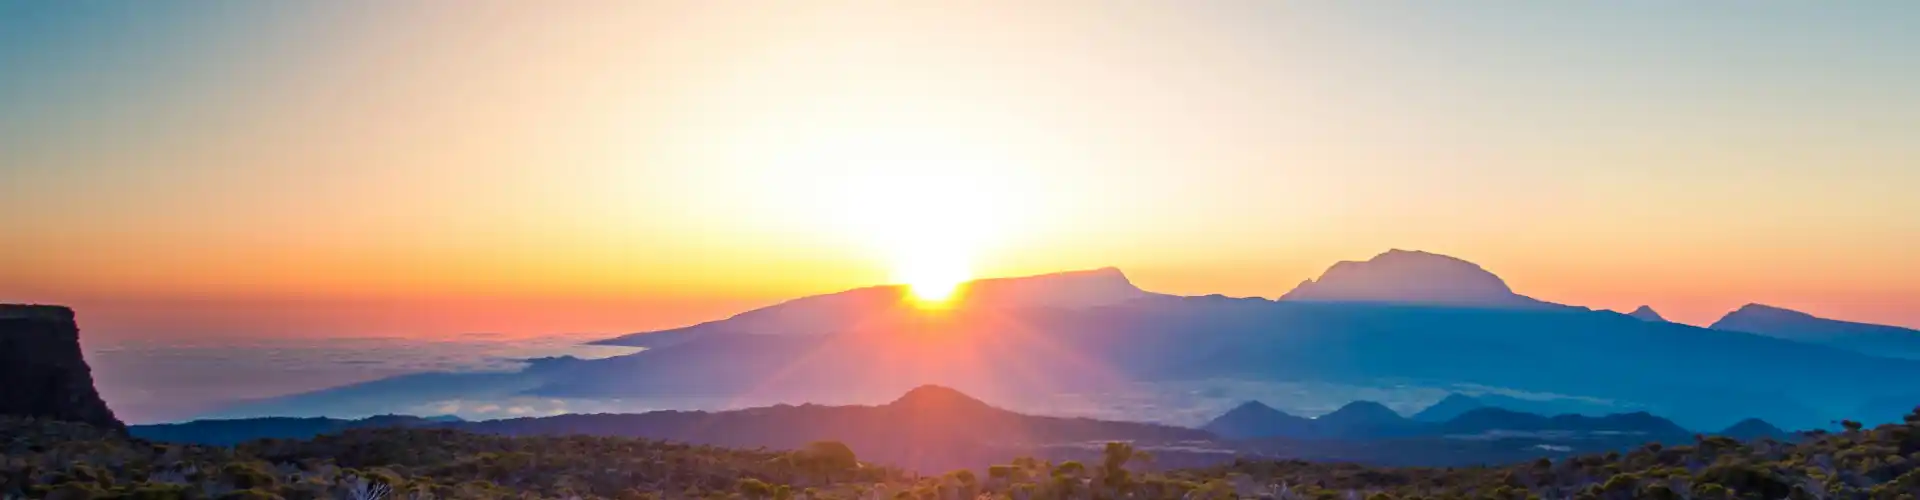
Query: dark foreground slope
column 932, row 429
column 64, row 460
column 47, row 459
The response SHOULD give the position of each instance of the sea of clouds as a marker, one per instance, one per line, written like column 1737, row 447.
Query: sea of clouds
column 147, row 381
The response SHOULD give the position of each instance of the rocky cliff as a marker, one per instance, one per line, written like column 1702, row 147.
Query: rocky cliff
column 42, row 372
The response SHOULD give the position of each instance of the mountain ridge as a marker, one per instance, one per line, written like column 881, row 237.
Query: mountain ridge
column 1866, row 338
column 840, row 311
column 1569, row 356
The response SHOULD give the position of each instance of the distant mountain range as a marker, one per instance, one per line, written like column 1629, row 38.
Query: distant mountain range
column 933, row 428
column 1402, row 318
column 1866, row 338
column 929, row 428
column 1364, row 421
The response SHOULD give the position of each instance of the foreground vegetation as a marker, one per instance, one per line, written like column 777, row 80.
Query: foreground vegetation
column 40, row 459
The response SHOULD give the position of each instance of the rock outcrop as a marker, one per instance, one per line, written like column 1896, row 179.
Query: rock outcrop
column 42, row 371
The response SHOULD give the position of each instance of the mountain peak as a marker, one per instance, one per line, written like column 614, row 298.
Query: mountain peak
column 1254, row 419
column 1454, row 405
column 1646, row 313
column 1363, row 411
column 1761, row 312
column 938, row 398
column 1413, row 277
column 1252, row 407
column 1753, row 428
column 1866, row 338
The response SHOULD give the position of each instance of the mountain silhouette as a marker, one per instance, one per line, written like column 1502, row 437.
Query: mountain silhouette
column 1566, row 359
column 1364, row 419
column 1753, row 428
column 852, row 309
column 1412, row 277
column 942, row 400
column 934, row 428
column 1449, row 407
column 930, row 428
column 1866, row 338
column 1254, row 419
column 1645, row 313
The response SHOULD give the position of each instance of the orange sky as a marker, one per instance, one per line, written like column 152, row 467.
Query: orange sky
column 617, row 166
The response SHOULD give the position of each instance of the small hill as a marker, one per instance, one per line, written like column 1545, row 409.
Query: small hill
column 1449, row 407
column 1753, row 428
column 1645, row 313
column 43, row 373
column 1412, row 277
column 934, row 398
column 1365, row 420
column 1254, row 419
column 1865, row 338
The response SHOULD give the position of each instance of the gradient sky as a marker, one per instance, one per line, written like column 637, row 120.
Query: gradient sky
column 431, row 168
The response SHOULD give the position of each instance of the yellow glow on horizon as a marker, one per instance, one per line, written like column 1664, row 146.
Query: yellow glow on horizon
column 934, row 281
column 927, row 209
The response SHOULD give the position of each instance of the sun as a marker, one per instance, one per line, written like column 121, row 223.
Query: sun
column 928, row 231
column 933, row 280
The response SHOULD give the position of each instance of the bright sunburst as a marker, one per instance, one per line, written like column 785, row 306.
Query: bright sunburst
column 926, row 229
column 933, row 279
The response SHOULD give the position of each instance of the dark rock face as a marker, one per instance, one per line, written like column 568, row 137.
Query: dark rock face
column 42, row 372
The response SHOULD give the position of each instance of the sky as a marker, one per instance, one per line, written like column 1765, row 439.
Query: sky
column 422, row 168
